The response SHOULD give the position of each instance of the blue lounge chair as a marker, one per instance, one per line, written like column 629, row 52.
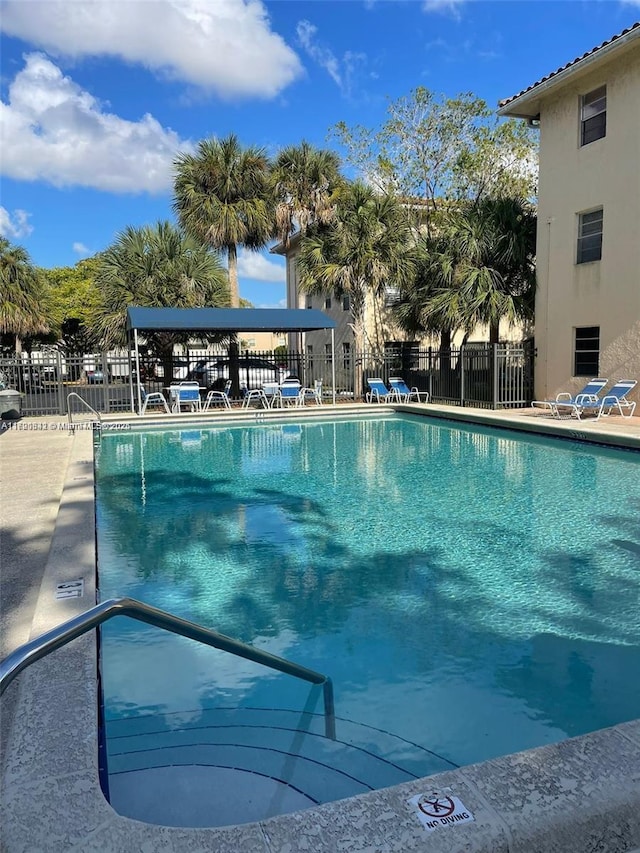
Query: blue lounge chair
column 614, row 399
column 589, row 394
column 155, row 398
column 403, row 393
column 378, row 392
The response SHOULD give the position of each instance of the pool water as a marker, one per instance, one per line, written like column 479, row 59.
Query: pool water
column 471, row 592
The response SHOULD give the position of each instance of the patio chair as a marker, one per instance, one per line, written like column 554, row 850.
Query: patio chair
column 214, row 398
column 615, row 398
column 589, row 394
column 403, row 393
column 155, row 398
column 378, row 392
column 314, row 393
column 289, row 393
column 185, row 394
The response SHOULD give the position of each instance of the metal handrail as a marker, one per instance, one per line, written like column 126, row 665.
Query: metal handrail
column 84, row 403
column 62, row 634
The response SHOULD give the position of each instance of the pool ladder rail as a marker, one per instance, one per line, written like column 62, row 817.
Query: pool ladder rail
column 97, row 418
column 36, row 649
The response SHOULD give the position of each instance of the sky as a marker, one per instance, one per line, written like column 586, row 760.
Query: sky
column 97, row 98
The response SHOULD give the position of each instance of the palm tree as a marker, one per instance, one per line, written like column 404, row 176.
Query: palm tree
column 494, row 243
column 222, row 198
column 22, row 309
column 365, row 249
column 303, row 180
column 156, row 267
column 478, row 268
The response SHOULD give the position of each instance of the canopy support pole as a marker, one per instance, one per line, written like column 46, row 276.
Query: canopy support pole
column 130, row 366
column 135, row 341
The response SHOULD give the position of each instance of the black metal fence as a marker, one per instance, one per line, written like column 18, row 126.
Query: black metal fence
column 492, row 376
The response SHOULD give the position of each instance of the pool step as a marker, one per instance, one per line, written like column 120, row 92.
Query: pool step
column 283, row 754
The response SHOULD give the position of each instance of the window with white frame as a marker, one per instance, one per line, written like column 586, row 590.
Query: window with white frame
column 586, row 351
column 590, row 236
column 327, row 302
column 346, row 303
column 328, row 353
column 309, row 355
column 309, row 302
column 593, row 116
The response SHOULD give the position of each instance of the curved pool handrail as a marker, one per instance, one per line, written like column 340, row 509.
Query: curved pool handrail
column 34, row 650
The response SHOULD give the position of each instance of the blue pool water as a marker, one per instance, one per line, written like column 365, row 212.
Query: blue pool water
column 471, row 592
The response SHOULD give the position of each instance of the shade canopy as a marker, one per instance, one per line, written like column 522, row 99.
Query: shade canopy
column 227, row 320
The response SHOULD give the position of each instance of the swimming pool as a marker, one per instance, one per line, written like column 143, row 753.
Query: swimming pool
column 471, row 592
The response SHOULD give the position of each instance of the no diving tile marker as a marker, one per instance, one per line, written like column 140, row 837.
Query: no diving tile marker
column 70, row 589
column 437, row 810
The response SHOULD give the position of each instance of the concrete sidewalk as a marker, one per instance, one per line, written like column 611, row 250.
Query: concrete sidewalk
column 33, row 465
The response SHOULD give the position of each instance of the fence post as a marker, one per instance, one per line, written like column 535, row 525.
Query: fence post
column 62, row 403
column 496, row 389
column 461, row 358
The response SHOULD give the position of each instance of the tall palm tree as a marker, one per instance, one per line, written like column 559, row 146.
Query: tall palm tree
column 156, row 267
column 304, row 179
column 365, row 249
column 22, row 309
column 222, row 198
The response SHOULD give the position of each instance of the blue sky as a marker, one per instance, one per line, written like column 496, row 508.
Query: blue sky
column 97, row 97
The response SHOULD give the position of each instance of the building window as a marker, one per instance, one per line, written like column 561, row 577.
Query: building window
column 309, row 356
column 328, row 353
column 593, row 116
column 589, row 237
column 346, row 355
column 391, row 296
column 587, row 352
column 327, row 302
column 309, row 302
column 346, row 303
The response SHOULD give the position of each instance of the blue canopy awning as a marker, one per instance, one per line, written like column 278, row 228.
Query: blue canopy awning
column 228, row 319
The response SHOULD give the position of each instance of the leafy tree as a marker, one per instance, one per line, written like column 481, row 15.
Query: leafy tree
column 74, row 305
column 435, row 148
column 222, row 198
column 303, row 179
column 22, row 295
column 156, row 267
column 365, row 249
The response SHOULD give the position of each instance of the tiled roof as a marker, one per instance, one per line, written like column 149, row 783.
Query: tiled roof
column 569, row 64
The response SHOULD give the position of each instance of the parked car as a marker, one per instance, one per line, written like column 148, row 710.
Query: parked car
column 254, row 372
column 97, row 376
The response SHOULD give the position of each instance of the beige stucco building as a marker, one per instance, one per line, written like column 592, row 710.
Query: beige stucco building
column 380, row 329
column 588, row 243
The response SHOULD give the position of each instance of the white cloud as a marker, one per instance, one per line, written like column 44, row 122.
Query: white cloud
column 282, row 303
column 342, row 71
column 14, row 225
column 57, row 132
column 256, row 266
column 451, row 7
column 81, row 249
column 322, row 55
column 224, row 46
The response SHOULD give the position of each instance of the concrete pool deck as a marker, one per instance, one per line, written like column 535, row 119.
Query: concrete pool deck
column 576, row 796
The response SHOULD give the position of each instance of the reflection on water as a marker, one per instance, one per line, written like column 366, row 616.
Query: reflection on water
column 471, row 590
